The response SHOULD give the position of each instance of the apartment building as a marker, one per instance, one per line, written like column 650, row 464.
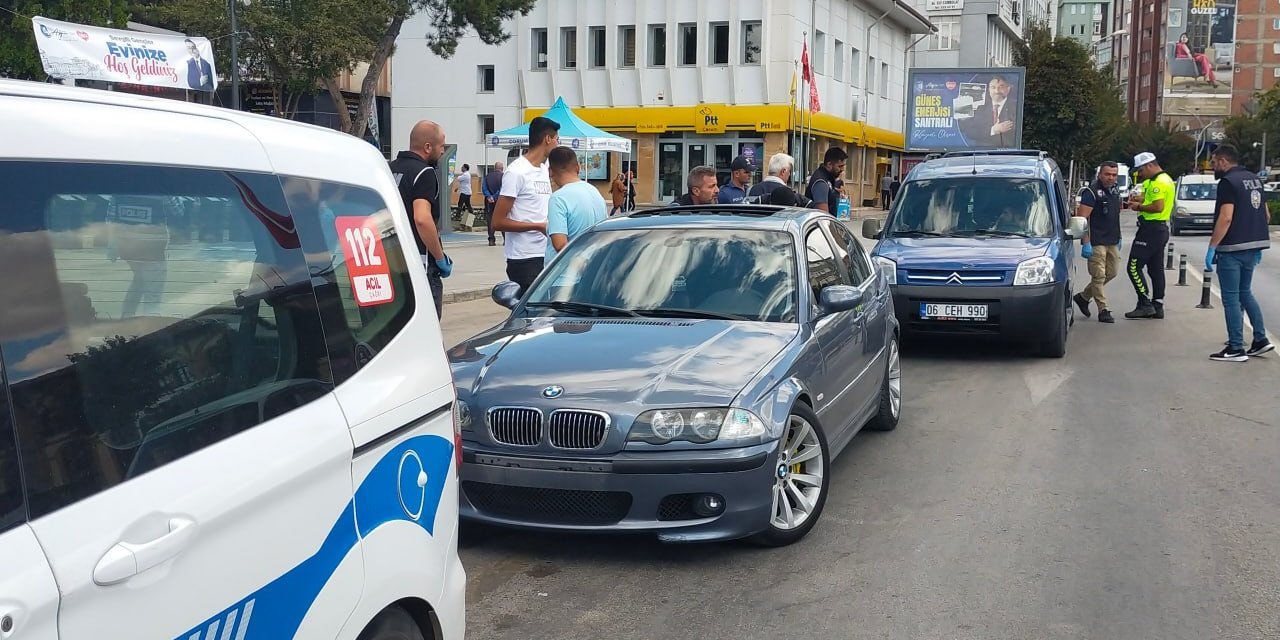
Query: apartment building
column 978, row 33
column 690, row 83
column 1257, row 54
column 1085, row 21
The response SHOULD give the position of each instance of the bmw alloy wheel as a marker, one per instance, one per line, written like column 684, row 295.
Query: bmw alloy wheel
column 798, row 484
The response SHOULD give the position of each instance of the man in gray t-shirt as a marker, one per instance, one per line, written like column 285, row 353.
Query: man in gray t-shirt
column 886, row 185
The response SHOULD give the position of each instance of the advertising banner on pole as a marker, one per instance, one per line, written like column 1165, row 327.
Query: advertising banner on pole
column 964, row 109
column 80, row 52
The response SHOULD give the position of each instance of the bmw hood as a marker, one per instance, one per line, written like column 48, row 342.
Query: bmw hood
column 608, row 364
column 951, row 253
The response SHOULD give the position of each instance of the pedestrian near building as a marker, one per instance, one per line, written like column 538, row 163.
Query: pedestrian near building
column 631, row 191
column 779, row 171
column 575, row 206
column 894, row 187
column 491, row 186
column 1100, row 204
column 618, row 193
column 521, row 212
column 1240, row 234
column 464, row 190
column 703, row 188
column 886, row 184
column 735, row 191
column 415, row 170
column 824, row 189
column 1147, row 252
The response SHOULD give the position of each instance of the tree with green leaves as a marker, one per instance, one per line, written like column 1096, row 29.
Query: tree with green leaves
column 19, row 57
column 1071, row 109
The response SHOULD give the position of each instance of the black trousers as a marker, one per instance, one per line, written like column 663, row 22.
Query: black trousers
column 488, row 216
column 1147, row 254
column 436, row 283
column 884, row 199
column 464, row 203
column 524, row 272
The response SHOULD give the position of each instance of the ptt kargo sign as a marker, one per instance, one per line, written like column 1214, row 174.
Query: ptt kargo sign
column 80, row 52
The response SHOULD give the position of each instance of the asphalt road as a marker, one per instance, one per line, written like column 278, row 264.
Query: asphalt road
column 1130, row 490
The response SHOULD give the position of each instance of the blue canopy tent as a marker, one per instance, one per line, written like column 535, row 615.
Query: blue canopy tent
column 574, row 133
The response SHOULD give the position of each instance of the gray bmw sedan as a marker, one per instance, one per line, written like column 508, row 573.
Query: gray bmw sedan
column 689, row 372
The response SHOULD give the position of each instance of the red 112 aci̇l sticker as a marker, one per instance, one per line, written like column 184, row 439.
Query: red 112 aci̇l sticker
column 366, row 260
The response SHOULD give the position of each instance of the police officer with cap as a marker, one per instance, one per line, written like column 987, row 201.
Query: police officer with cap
column 1147, row 251
column 1240, row 234
column 735, row 191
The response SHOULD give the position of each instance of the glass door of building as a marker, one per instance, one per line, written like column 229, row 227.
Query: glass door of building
column 671, row 171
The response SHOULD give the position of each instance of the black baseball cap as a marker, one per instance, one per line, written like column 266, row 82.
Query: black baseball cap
column 741, row 163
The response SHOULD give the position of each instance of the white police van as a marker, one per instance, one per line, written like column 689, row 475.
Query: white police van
column 225, row 409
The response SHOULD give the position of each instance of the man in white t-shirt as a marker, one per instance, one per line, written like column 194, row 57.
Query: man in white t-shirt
column 521, row 212
column 464, row 189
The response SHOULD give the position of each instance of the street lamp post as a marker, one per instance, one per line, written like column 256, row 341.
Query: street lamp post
column 1262, row 165
column 235, row 56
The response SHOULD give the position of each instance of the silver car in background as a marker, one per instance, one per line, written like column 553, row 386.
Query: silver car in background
column 688, row 372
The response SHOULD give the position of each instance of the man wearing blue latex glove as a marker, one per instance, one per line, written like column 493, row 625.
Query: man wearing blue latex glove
column 444, row 265
column 1240, row 234
column 416, row 171
column 1100, row 204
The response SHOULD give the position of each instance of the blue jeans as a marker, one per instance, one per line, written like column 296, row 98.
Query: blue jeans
column 1235, row 276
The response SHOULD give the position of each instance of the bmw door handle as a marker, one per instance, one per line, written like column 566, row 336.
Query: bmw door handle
column 127, row 559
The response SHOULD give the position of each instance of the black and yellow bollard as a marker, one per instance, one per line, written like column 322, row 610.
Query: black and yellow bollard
column 1205, row 303
column 1182, row 270
column 1168, row 258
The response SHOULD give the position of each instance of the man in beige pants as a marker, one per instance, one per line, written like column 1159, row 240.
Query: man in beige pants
column 1100, row 203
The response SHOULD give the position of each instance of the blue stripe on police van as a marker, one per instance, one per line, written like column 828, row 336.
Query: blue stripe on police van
column 405, row 485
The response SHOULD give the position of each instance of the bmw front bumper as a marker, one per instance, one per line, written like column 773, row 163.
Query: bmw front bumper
column 663, row 493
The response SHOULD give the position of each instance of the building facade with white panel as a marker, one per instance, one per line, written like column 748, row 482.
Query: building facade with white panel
column 689, row 82
column 979, row 33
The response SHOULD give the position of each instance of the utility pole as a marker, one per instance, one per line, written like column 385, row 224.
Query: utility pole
column 235, row 56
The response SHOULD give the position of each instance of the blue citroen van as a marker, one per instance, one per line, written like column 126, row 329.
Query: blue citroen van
column 983, row 244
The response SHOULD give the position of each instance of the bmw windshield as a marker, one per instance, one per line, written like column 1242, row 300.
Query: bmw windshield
column 730, row 274
column 972, row 207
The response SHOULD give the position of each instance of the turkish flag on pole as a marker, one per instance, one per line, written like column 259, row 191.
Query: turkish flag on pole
column 807, row 72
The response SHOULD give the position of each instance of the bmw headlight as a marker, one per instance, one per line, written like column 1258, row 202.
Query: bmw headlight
column 699, row 426
column 888, row 267
column 462, row 414
column 1034, row 271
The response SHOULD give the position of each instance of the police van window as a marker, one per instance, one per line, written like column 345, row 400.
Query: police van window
column 850, row 252
column 11, row 501
column 350, row 238
column 160, row 311
column 823, row 269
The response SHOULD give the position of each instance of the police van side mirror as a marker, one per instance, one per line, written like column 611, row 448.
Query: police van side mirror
column 871, row 229
column 1077, row 226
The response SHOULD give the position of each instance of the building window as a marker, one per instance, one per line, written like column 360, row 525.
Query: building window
column 819, row 52
column 1175, row 18
column 487, row 80
column 871, row 73
column 569, row 48
column 751, row 42
column 596, row 47
column 719, row 52
column 627, row 47
column 855, row 69
column 884, row 79
column 1275, row 48
column 485, row 121
column 689, row 44
column 1275, row 24
column 945, row 38
column 837, row 69
column 539, row 53
column 1097, row 28
column 1276, row 71
column 657, row 45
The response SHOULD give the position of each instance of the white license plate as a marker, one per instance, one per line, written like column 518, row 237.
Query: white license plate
column 938, row 311
column 1204, row 220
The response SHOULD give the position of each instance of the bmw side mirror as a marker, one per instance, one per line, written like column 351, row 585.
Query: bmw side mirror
column 839, row 297
column 871, row 229
column 1077, row 226
column 506, row 293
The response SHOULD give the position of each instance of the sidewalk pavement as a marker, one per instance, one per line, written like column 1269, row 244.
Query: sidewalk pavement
column 477, row 266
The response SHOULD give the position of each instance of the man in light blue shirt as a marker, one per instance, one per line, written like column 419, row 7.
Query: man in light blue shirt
column 575, row 206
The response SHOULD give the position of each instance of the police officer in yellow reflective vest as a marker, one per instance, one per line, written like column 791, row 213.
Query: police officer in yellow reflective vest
column 1147, row 251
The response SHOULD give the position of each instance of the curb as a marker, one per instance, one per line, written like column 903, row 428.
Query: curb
column 466, row 295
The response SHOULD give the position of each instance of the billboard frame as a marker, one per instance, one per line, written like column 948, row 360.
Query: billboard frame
column 1018, row 76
